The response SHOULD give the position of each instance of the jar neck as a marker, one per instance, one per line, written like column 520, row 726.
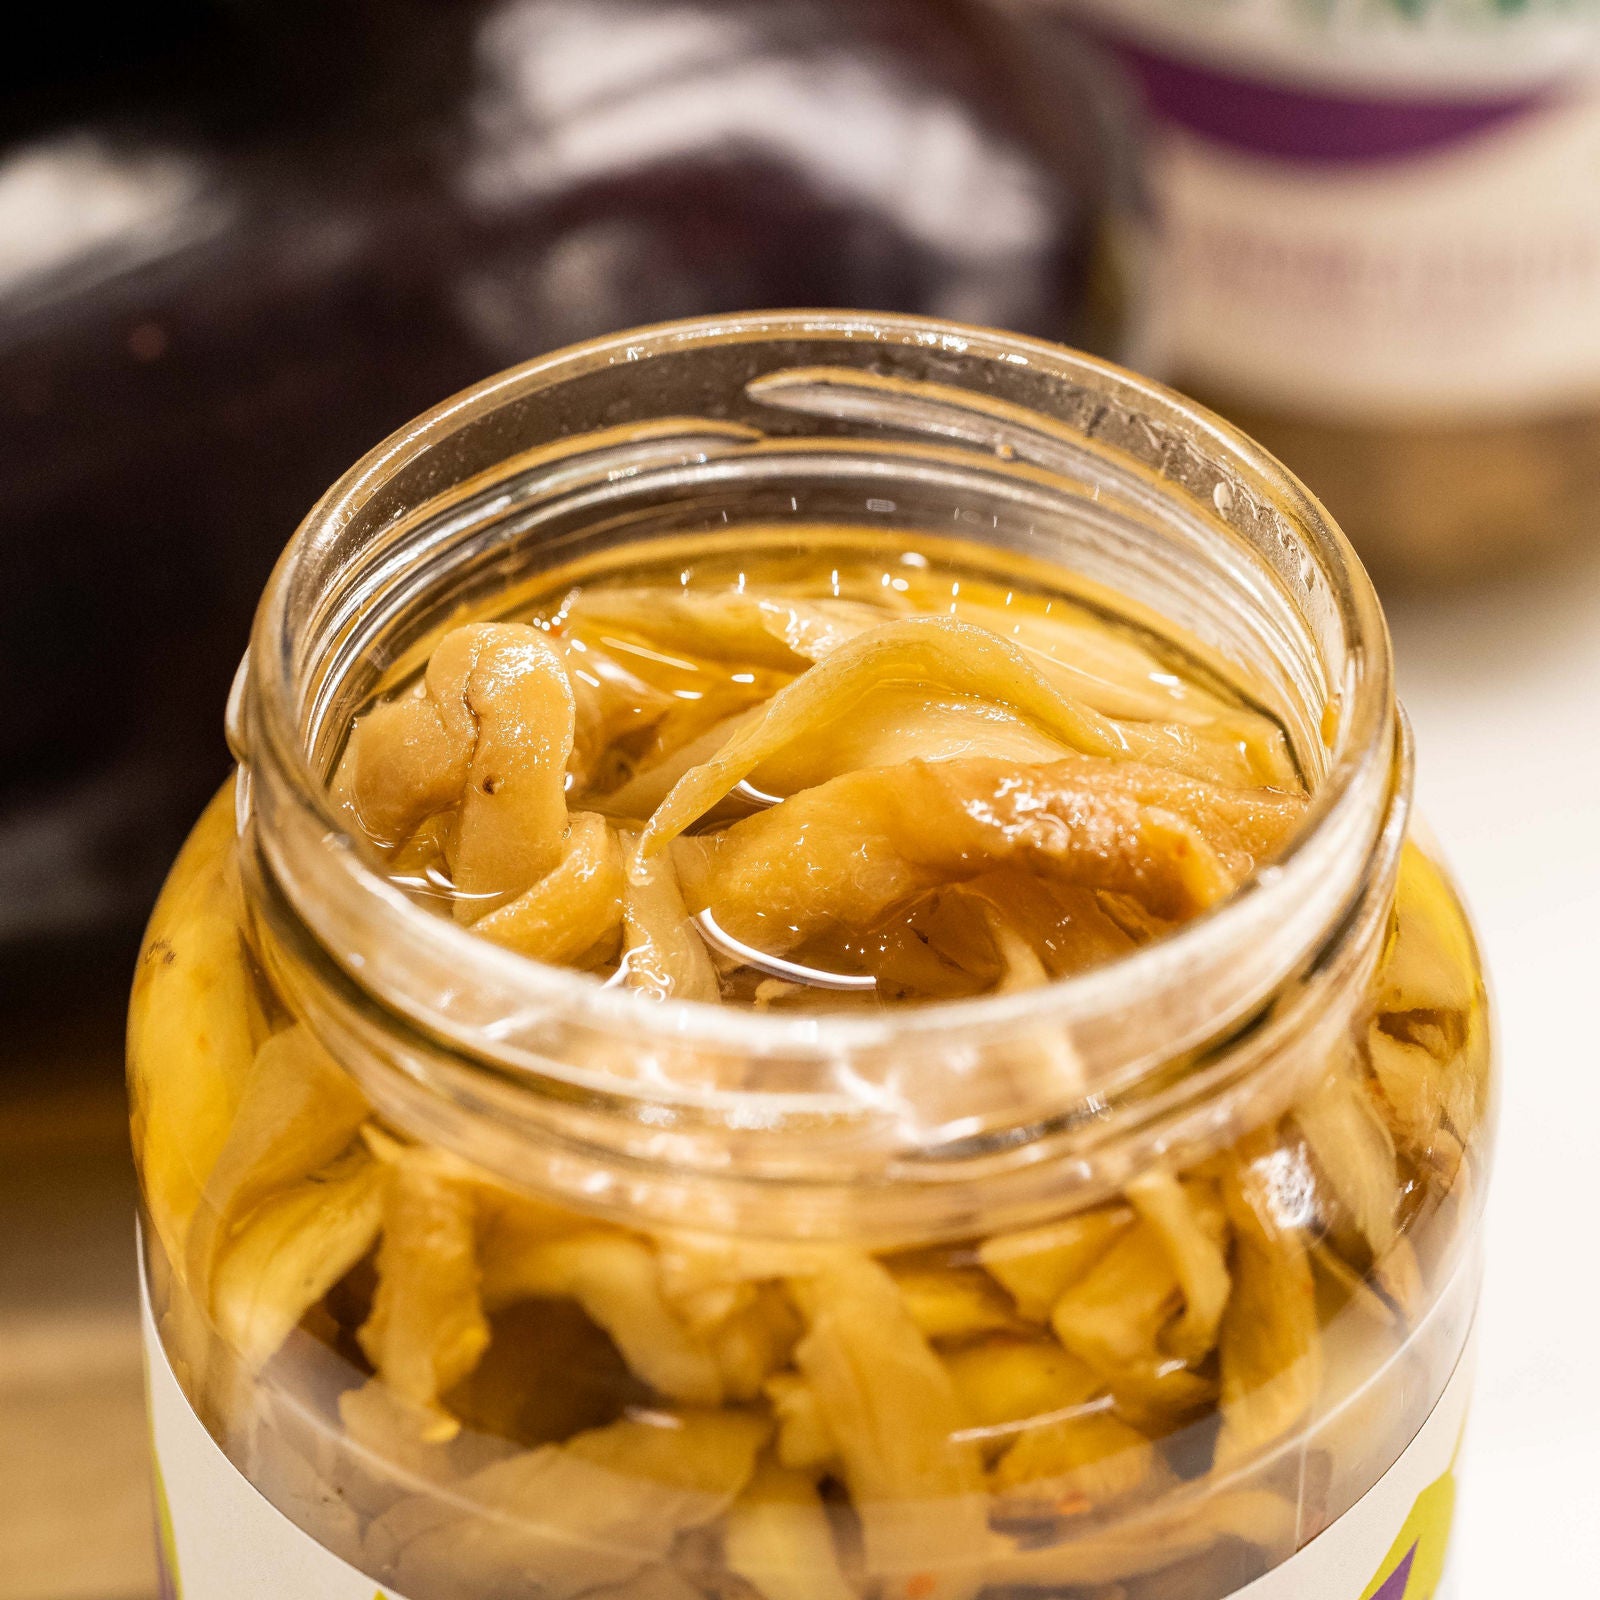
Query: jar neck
column 905, row 1124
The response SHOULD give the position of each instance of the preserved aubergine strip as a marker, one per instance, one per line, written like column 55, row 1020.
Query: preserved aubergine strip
column 932, row 653
column 842, row 854
column 771, row 789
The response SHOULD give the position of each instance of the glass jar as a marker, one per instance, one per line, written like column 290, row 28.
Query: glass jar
column 468, row 1276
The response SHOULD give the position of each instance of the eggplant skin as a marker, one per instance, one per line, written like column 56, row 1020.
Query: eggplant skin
column 259, row 237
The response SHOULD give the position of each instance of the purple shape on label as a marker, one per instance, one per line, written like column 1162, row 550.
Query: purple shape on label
column 1293, row 124
column 1394, row 1586
column 166, row 1581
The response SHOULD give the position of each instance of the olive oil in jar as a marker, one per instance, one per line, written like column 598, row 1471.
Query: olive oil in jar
column 817, row 770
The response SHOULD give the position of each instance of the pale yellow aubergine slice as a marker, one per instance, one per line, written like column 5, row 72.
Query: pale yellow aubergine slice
column 487, row 732
column 930, row 653
column 841, row 855
column 194, row 1023
column 562, row 1520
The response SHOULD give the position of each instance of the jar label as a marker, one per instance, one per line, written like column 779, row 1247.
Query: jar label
column 1381, row 212
column 220, row 1539
column 1391, row 1544
column 1341, row 258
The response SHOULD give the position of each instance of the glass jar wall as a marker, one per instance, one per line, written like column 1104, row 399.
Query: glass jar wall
column 470, row 1275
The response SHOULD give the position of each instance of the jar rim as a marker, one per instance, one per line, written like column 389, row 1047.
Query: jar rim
column 1347, row 815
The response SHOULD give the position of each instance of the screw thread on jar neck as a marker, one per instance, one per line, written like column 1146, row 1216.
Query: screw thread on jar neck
column 907, row 1123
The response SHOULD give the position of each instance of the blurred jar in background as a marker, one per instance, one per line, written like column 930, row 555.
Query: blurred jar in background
column 241, row 242
column 1382, row 255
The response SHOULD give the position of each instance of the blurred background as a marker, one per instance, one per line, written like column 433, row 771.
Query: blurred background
column 242, row 240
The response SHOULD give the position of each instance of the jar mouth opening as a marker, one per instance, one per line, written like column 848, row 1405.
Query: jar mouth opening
column 1280, row 534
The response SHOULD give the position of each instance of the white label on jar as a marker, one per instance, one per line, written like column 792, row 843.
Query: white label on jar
column 1391, row 1544
column 219, row 1539
column 1457, row 280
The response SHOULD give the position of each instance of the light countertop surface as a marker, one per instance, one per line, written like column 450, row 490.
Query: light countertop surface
column 1503, row 689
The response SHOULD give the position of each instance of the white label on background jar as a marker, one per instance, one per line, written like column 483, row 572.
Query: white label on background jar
column 221, row 1540
column 1372, row 210
column 1456, row 281
column 1390, row 46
